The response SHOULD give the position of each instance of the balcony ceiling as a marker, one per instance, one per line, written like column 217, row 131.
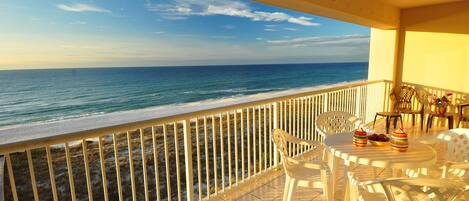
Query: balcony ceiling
column 417, row 3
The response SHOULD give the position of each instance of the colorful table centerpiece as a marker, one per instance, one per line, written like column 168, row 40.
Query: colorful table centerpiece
column 399, row 140
column 360, row 138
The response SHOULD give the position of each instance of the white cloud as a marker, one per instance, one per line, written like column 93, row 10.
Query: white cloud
column 79, row 7
column 223, row 37
column 270, row 25
column 229, row 26
column 78, row 23
column 323, row 40
column 159, row 32
column 227, row 8
column 259, row 38
column 270, row 30
column 290, row 29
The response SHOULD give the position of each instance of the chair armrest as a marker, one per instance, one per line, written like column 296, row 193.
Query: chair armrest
column 316, row 164
column 458, row 165
column 299, row 141
column 464, row 105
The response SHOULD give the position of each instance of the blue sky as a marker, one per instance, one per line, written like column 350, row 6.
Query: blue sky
column 92, row 33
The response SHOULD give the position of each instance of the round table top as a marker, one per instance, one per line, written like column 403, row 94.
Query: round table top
column 418, row 155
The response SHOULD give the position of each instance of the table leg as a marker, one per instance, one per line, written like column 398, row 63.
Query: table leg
column 332, row 163
column 347, row 166
column 450, row 122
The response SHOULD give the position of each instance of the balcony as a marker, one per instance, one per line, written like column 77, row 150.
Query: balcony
column 215, row 153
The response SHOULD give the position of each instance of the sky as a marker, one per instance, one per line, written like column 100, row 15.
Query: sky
column 103, row 33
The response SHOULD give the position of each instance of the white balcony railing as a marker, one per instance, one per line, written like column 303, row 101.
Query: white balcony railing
column 187, row 156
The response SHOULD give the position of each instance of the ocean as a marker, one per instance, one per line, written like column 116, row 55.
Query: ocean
column 47, row 95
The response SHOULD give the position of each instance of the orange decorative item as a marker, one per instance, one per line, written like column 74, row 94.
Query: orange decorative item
column 360, row 138
column 399, row 140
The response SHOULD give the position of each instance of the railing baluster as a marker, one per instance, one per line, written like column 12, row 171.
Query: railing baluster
column 290, row 130
column 103, row 168
column 11, row 176
column 70, row 173
column 87, row 170
column 259, row 141
column 178, row 169
column 199, row 165
column 236, row 144
column 144, row 164
column 188, row 159
column 32, row 174
column 270, row 135
column 265, row 138
column 242, row 143
column 51, row 173
column 131, row 166
column 222, row 153
column 275, row 121
column 214, row 139
column 229, row 146
column 254, row 140
column 155, row 160
column 118, row 169
column 207, row 158
column 248, row 127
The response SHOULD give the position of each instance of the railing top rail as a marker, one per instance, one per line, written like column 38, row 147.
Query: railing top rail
column 15, row 139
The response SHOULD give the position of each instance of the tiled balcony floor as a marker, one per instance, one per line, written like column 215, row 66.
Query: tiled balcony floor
column 269, row 185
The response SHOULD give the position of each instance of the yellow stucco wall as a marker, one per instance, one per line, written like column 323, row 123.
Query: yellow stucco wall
column 435, row 49
column 382, row 52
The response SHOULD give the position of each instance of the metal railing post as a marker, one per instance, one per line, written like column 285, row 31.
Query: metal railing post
column 2, row 174
column 188, row 159
column 275, row 120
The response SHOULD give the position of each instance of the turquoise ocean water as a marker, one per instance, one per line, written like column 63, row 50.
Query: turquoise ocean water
column 31, row 96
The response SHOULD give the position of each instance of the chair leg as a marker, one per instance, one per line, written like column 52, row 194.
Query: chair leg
column 286, row 188
column 394, row 123
column 374, row 122
column 388, row 121
column 402, row 123
column 422, row 117
column 292, row 187
column 413, row 119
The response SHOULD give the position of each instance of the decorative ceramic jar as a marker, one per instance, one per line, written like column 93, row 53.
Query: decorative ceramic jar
column 399, row 140
column 360, row 138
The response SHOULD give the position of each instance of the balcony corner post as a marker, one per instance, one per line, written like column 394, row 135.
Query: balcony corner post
column 2, row 174
column 188, row 159
column 275, row 121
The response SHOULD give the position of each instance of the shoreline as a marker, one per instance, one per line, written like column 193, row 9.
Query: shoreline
column 27, row 132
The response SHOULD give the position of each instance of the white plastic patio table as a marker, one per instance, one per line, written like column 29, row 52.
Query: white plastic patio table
column 340, row 145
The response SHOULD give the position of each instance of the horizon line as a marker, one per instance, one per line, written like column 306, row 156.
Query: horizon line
column 171, row 66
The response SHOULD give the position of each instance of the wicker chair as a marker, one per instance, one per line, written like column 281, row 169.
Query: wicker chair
column 302, row 173
column 405, row 189
column 402, row 104
column 462, row 115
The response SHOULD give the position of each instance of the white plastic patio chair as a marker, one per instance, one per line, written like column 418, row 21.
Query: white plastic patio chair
column 301, row 173
column 404, row 189
column 332, row 122
column 456, row 162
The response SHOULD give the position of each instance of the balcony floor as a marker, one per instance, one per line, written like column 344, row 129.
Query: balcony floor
column 269, row 185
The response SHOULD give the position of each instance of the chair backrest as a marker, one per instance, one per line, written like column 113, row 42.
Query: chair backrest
column 420, row 189
column 332, row 122
column 403, row 98
column 280, row 138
